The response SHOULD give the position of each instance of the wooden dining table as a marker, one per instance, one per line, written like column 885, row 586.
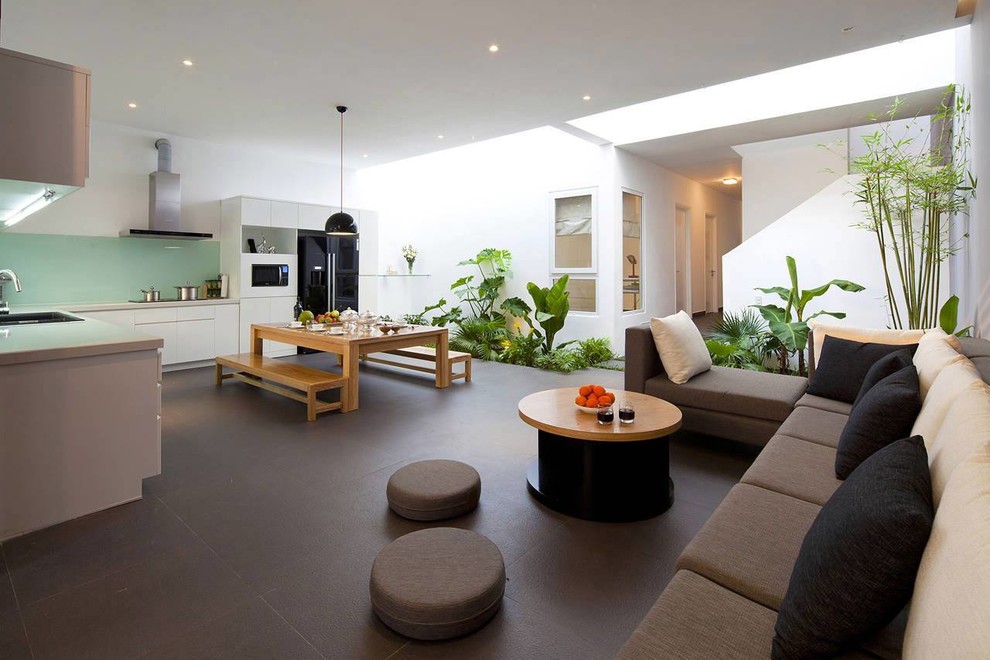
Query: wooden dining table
column 350, row 348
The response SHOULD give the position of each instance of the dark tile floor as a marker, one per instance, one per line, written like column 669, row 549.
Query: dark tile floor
column 257, row 539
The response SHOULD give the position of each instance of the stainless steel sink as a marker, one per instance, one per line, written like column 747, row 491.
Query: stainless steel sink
column 32, row 318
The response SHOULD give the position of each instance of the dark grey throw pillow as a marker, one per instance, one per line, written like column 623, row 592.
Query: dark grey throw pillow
column 885, row 366
column 858, row 562
column 843, row 365
column 885, row 414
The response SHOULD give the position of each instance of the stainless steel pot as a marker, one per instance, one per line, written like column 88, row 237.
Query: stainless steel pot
column 187, row 292
column 152, row 294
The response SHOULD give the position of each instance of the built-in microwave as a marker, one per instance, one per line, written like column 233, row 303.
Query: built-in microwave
column 269, row 274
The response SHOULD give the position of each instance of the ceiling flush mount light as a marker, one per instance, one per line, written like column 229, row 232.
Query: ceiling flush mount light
column 341, row 224
column 493, row 48
column 730, row 180
column 132, row 105
column 187, row 62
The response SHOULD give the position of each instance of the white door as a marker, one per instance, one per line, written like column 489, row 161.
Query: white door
column 711, row 264
column 682, row 279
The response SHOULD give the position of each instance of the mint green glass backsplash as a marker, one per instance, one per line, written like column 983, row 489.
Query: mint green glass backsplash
column 93, row 269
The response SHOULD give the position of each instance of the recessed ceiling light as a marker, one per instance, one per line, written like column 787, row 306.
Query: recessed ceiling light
column 132, row 105
column 439, row 137
column 187, row 62
column 730, row 180
column 586, row 97
column 493, row 48
column 849, row 28
column 364, row 155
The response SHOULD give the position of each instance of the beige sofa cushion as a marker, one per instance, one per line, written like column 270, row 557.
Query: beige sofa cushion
column 964, row 432
column 696, row 619
column 950, row 609
column 681, row 347
column 805, row 470
column 815, row 425
column 948, row 385
column 734, row 391
column 750, row 543
column 934, row 354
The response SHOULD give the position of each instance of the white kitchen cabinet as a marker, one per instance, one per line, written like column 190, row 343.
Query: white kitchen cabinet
column 165, row 330
column 225, row 329
column 266, row 310
column 194, row 340
column 313, row 217
column 285, row 214
column 121, row 317
column 257, row 212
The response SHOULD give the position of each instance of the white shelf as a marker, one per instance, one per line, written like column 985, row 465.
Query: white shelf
column 399, row 275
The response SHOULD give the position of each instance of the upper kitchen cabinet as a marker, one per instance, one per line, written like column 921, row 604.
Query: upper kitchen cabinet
column 249, row 211
column 44, row 133
column 285, row 214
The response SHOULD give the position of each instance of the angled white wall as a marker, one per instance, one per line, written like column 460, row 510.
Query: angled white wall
column 780, row 174
column 821, row 235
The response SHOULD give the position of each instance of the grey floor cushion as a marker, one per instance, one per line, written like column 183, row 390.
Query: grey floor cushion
column 433, row 490
column 438, row 583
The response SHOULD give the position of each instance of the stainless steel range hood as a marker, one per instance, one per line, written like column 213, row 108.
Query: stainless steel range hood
column 44, row 133
column 164, row 202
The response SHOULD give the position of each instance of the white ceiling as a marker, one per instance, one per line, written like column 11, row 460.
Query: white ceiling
column 268, row 74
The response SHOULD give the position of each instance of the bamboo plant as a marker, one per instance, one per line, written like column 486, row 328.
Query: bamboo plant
column 909, row 196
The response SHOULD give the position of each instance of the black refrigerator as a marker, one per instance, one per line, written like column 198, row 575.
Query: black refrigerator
column 328, row 272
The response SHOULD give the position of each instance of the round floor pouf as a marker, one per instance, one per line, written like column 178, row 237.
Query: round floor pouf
column 438, row 583
column 433, row 490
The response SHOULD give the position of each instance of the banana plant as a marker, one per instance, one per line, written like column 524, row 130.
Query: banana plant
column 550, row 305
column 788, row 324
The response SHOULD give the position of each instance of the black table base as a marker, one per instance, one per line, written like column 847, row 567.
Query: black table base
column 602, row 481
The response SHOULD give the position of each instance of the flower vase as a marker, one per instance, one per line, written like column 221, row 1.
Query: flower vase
column 409, row 262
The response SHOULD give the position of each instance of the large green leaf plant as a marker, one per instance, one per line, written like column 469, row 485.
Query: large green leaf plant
column 789, row 324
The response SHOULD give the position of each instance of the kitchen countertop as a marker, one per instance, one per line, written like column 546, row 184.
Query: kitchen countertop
column 82, row 308
column 69, row 339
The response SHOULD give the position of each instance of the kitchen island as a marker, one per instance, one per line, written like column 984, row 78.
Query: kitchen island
column 80, row 411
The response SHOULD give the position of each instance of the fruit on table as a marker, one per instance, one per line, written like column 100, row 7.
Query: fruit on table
column 592, row 396
column 334, row 313
column 305, row 316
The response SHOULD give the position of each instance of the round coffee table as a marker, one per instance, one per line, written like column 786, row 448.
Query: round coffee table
column 613, row 473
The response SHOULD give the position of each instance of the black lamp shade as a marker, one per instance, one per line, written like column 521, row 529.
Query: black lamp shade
column 341, row 224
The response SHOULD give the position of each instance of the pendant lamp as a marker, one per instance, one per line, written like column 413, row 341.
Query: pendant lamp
column 341, row 224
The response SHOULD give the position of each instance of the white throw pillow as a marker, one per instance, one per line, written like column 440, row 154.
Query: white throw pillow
column 682, row 348
column 864, row 335
column 952, row 339
column 948, row 385
column 949, row 613
column 965, row 431
column 934, row 354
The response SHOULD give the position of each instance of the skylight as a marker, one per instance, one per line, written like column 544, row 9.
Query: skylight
column 894, row 69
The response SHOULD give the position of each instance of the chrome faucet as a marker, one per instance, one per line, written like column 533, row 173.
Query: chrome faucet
column 7, row 275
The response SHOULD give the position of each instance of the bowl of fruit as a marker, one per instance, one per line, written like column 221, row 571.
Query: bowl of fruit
column 329, row 318
column 591, row 396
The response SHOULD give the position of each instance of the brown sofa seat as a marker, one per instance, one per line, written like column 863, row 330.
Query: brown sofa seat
column 734, row 391
column 828, row 405
column 798, row 468
column 815, row 425
column 696, row 619
column 750, row 543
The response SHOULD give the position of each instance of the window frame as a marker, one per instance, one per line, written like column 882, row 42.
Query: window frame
column 642, row 241
column 562, row 194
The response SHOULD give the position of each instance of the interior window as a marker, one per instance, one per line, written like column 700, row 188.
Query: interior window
column 632, row 253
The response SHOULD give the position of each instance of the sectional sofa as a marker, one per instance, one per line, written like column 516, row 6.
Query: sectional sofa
column 733, row 576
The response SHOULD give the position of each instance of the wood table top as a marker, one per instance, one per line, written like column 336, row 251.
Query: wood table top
column 554, row 411
column 280, row 331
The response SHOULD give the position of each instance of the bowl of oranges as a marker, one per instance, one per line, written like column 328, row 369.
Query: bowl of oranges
column 591, row 396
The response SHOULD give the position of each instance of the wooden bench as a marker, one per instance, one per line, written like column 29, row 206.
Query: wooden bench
column 285, row 378
column 428, row 355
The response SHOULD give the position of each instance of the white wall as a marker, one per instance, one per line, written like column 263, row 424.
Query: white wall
column 116, row 193
column 497, row 194
column 780, row 174
column 453, row 203
column 820, row 234
column 975, row 74
column 663, row 191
